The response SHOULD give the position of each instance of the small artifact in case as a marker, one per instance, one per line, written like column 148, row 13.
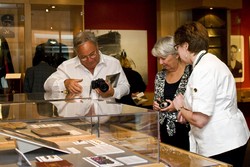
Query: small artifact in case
column 13, row 125
column 63, row 163
column 51, row 131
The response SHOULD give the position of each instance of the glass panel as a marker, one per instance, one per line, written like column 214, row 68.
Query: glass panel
column 53, row 27
column 93, row 127
column 12, row 39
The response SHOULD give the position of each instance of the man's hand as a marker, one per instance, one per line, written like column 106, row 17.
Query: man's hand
column 73, row 86
column 109, row 93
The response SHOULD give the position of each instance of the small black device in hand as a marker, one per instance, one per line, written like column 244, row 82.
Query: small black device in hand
column 163, row 104
column 101, row 84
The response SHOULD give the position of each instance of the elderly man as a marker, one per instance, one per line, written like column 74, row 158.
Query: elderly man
column 77, row 75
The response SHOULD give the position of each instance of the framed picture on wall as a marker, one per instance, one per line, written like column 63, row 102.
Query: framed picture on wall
column 236, row 57
column 133, row 42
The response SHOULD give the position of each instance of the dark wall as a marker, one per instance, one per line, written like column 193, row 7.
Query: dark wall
column 244, row 107
column 125, row 15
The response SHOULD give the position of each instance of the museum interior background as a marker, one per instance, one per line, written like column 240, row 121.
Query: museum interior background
column 33, row 25
column 230, row 18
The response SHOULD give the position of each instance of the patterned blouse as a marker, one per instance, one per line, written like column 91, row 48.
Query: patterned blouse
column 170, row 117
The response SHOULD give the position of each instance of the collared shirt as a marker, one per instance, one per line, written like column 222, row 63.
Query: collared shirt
column 211, row 90
column 73, row 69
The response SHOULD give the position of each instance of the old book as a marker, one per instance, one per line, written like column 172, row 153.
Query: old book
column 63, row 163
column 13, row 125
column 49, row 131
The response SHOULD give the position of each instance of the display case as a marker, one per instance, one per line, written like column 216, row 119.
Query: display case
column 81, row 131
column 60, row 129
column 29, row 25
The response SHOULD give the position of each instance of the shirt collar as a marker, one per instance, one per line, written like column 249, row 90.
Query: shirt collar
column 198, row 57
column 102, row 60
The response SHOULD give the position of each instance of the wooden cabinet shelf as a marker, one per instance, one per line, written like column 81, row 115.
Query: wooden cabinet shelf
column 216, row 23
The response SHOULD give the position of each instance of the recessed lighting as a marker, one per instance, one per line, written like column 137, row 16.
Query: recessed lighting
column 47, row 10
column 53, row 6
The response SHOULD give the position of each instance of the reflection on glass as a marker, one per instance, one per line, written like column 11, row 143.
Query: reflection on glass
column 87, row 108
column 12, row 42
column 53, row 27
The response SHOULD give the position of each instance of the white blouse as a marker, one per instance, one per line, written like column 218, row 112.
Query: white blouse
column 211, row 90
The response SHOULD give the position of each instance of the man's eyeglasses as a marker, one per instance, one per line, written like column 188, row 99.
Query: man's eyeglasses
column 91, row 55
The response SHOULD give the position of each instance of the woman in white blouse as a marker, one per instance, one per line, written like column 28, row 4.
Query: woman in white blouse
column 218, row 128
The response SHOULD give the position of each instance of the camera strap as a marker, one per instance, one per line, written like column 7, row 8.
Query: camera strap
column 199, row 58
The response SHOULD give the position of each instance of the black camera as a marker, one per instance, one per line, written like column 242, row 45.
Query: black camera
column 163, row 104
column 101, row 84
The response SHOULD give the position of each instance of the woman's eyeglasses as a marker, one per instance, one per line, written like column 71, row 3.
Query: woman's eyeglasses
column 176, row 46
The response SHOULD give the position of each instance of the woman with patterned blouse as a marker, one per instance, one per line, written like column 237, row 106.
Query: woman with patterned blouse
column 169, row 82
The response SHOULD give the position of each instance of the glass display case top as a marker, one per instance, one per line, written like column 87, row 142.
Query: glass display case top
column 95, row 127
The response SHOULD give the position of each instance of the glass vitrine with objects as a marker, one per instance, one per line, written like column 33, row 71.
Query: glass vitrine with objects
column 67, row 130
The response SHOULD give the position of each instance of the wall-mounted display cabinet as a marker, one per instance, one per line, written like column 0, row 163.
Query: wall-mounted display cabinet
column 28, row 24
column 215, row 20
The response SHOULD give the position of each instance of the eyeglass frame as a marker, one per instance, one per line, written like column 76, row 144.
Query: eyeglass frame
column 176, row 46
column 92, row 55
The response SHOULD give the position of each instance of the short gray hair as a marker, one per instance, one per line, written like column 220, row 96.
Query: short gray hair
column 82, row 37
column 164, row 47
